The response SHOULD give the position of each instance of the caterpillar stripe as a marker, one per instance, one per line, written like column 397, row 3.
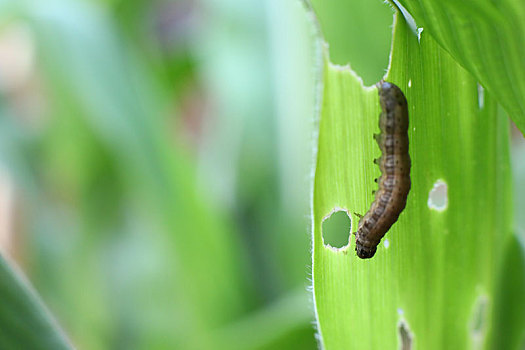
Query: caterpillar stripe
column 394, row 163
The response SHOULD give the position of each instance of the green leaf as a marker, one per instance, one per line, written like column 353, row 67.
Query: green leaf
column 487, row 38
column 24, row 321
column 434, row 280
column 509, row 304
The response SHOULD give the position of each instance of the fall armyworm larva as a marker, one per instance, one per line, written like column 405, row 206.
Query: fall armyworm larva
column 394, row 182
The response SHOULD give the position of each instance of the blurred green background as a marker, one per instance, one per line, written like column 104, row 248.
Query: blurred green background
column 155, row 163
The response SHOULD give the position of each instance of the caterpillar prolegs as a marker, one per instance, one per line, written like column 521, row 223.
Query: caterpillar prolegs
column 394, row 163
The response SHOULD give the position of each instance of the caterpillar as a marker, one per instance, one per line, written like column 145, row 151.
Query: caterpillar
column 394, row 163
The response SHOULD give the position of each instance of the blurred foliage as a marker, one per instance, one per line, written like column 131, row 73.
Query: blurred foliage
column 162, row 183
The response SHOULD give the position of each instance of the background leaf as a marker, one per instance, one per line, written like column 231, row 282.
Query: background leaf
column 487, row 38
column 24, row 321
column 509, row 318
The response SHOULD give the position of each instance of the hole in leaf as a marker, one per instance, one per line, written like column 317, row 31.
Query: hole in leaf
column 481, row 96
column 478, row 322
column 336, row 229
column 405, row 336
column 357, row 31
column 438, row 196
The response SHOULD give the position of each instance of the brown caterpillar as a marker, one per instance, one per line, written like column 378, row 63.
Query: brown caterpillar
column 394, row 182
